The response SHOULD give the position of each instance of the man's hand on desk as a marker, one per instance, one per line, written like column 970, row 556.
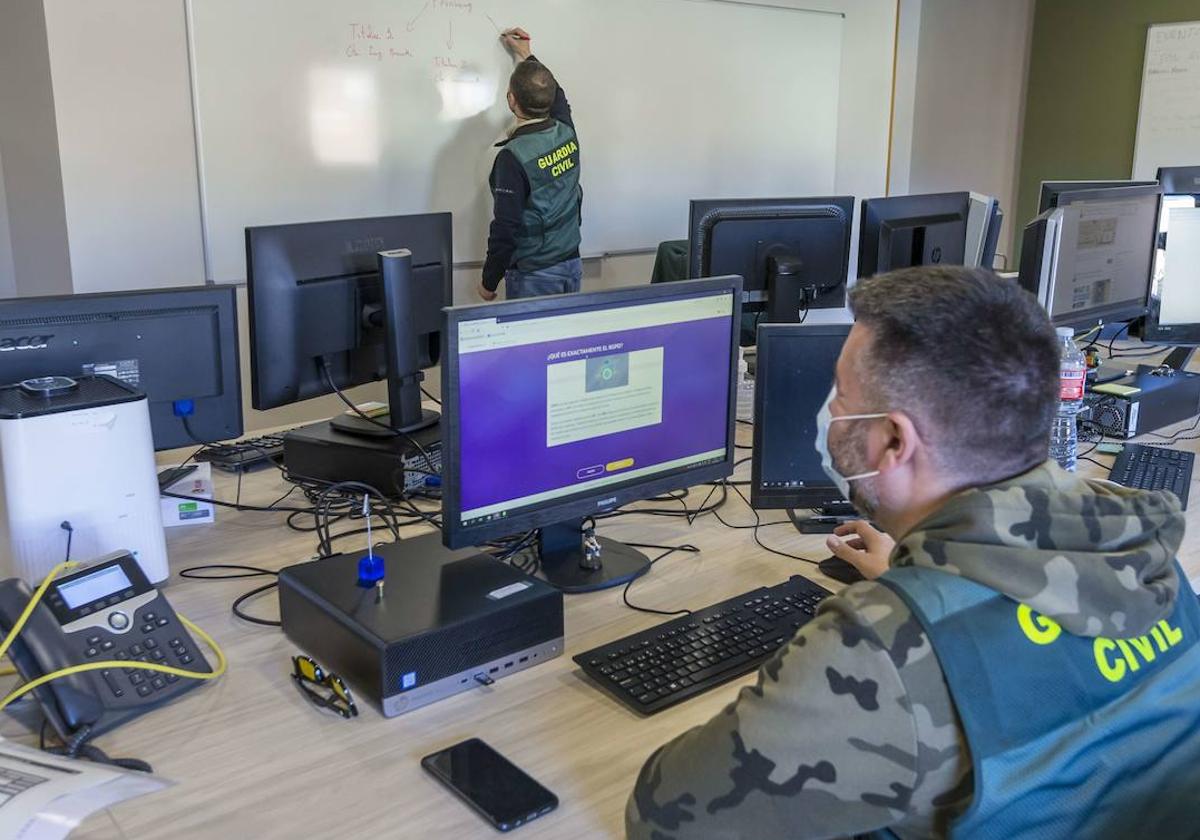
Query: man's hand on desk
column 862, row 546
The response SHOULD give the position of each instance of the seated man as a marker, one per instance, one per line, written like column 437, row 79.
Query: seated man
column 1026, row 662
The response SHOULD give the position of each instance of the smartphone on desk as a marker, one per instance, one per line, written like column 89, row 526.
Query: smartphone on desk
column 502, row 793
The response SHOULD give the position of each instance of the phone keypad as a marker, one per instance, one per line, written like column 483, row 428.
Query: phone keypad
column 145, row 644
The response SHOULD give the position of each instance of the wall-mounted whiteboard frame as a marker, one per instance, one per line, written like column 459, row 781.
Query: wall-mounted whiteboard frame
column 1168, row 127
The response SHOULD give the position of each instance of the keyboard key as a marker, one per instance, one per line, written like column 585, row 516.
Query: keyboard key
column 682, row 657
column 113, row 685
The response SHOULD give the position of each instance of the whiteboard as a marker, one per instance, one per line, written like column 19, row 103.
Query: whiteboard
column 309, row 110
column 1168, row 129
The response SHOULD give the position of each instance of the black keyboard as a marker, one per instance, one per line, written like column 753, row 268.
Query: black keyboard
column 681, row 658
column 244, row 455
column 1154, row 468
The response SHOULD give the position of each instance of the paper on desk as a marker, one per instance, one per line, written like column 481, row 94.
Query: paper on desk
column 44, row 797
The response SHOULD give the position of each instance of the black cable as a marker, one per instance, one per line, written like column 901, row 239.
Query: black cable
column 1177, row 436
column 239, row 572
column 187, row 427
column 395, row 432
column 79, row 748
column 430, row 396
column 235, row 506
column 241, row 599
column 691, row 549
column 764, row 546
column 1113, row 339
column 1094, row 461
column 1138, row 354
column 66, row 526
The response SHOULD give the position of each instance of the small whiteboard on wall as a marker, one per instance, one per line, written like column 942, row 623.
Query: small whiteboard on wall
column 1168, row 129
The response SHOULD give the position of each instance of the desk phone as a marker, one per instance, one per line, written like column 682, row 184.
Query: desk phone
column 108, row 610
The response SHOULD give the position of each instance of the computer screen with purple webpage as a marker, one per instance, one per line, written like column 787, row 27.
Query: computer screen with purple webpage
column 557, row 404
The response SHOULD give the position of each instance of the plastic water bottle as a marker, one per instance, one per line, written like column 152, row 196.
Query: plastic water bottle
column 1064, row 436
column 745, row 389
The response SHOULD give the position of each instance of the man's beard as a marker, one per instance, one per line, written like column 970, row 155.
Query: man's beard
column 847, row 460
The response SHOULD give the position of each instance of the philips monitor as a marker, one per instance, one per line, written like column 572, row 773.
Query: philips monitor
column 327, row 311
column 178, row 346
column 1051, row 191
column 1090, row 260
column 796, row 365
column 793, row 254
column 563, row 408
column 904, row 231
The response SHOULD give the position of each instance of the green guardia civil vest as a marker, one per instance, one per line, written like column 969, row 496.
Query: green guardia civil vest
column 1070, row 737
column 550, row 226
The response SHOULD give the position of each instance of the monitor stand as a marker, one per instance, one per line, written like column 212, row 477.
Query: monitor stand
column 571, row 566
column 1179, row 357
column 825, row 518
column 394, row 453
column 403, row 359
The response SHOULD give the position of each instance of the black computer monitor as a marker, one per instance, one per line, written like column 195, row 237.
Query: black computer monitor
column 1180, row 181
column 909, row 230
column 793, row 254
column 1048, row 195
column 179, row 346
column 1090, row 260
column 561, row 408
column 321, row 317
column 796, row 364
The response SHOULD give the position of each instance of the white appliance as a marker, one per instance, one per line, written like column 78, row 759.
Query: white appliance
column 77, row 451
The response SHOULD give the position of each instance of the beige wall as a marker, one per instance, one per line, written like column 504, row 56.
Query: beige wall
column 29, row 145
column 972, row 65
column 126, row 143
column 8, row 278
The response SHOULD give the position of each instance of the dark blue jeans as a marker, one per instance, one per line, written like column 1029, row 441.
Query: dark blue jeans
column 560, row 279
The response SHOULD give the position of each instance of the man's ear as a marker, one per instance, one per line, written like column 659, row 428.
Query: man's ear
column 903, row 441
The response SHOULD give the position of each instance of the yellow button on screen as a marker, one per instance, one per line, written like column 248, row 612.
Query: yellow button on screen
column 613, row 466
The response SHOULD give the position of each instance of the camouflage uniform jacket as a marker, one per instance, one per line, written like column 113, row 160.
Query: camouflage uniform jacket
column 850, row 727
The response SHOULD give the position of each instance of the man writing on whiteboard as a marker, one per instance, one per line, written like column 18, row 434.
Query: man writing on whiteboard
column 533, row 243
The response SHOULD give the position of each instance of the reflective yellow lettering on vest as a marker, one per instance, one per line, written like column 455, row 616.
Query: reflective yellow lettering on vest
column 1127, row 652
column 1174, row 634
column 1144, row 648
column 1157, row 635
column 1037, row 628
column 1112, row 669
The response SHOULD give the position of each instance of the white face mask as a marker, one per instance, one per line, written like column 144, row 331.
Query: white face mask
column 825, row 419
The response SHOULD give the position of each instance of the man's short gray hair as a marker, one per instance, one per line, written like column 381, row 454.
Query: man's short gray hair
column 970, row 357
